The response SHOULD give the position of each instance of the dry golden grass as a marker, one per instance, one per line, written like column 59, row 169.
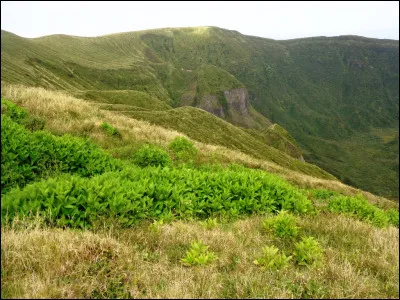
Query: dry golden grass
column 67, row 114
column 38, row 262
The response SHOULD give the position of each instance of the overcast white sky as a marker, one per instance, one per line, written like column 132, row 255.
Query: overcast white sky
column 276, row 20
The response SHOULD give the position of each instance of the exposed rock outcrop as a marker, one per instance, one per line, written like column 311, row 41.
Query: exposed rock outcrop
column 238, row 100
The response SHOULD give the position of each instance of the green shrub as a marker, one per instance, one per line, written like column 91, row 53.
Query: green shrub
column 393, row 216
column 153, row 193
column 27, row 156
column 21, row 116
column 271, row 259
column 308, row 252
column 282, row 225
column 198, row 254
column 109, row 129
column 149, row 155
column 183, row 149
column 34, row 123
column 359, row 208
column 15, row 112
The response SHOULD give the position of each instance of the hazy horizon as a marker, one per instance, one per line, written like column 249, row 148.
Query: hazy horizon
column 274, row 20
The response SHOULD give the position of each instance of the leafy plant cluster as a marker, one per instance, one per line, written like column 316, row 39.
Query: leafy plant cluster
column 306, row 252
column 183, row 149
column 110, row 129
column 198, row 254
column 150, row 155
column 154, row 192
column 322, row 194
column 272, row 259
column 209, row 223
column 27, row 156
column 282, row 225
column 360, row 208
column 21, row 116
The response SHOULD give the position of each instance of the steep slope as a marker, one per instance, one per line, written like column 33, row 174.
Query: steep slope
column 206, row 128
column 331, row 94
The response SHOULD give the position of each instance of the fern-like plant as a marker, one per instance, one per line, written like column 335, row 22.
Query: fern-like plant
column 198, row 254
column 282, row 225
column 272, row 259
column 308, row 252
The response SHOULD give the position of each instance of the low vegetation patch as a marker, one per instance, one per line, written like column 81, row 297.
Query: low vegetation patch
column 154, row 192
column 110, row 129
column 150, row 155
column 363, row 210
column 123, row 255
column 209, row 223
column 308, row 252
column 21, row 116
column 27, row 156
column 183, row 149
column 272, row 259
column 198, row 255
column 283, row 225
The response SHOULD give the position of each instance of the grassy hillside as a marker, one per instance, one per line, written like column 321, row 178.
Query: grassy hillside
column 331, row 94
column 206, row 128
column 165, row 216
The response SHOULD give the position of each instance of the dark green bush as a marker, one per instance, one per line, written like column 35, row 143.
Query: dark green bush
column 27, row 156
column 150, row 155
column 183, row 149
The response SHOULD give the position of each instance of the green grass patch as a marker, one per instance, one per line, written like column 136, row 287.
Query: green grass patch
column 21, row 116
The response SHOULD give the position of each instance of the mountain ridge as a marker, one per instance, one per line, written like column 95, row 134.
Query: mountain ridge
column 330, row 88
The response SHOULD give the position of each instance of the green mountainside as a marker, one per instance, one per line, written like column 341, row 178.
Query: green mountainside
column 117, row 183
column 338, row 97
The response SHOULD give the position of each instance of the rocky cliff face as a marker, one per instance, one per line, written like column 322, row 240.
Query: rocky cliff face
column 211, row 104
column 233, row 105
column 238, row 100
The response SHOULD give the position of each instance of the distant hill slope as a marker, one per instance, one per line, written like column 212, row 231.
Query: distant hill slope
column 337, row 96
